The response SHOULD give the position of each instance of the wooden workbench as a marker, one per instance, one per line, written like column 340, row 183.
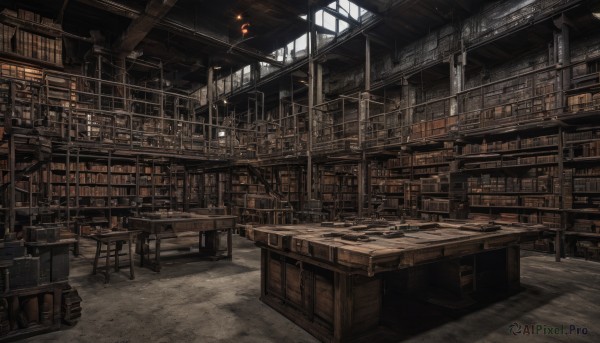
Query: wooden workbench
column 333, row 281
column 161, row 226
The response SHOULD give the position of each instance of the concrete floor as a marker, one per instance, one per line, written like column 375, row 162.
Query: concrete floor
column 203, row 301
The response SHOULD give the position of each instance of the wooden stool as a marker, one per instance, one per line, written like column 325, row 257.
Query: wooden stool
column 118, row 238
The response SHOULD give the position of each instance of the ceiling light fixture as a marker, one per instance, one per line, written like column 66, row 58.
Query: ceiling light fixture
column 244, row 28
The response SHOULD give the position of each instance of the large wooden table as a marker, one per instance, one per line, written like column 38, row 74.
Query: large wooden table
column 333, row 281
column 160, row 226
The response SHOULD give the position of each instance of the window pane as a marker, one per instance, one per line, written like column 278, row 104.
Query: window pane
column 319, row 18
column 354, row 11
column 301, row 43
column 328, row 21
column 247, row 75
column 344, row 7
column 227, row 85
column 237, row 79
column 343, row 25
column 289, row 56
column 220, row 87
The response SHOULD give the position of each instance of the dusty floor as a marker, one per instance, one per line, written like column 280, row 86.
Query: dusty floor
column 203, row 301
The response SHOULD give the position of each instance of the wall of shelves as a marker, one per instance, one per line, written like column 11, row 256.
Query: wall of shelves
column 517, row 131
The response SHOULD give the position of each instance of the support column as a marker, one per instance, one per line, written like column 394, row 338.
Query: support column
column 457, row 63
column 186, row 192
column 566, row 58
column 367, row 64
column 12, row 188
column 210, row 101
column 122, row 78
column 311, row 98
column 363, row 119
column 221, row 189
column 319, row 84
column 311, row 90
column 562, row 53
column 409, row 96
column 559, row 238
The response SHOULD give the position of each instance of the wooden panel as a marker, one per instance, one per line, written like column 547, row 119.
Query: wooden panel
column 366, row 307
column 292, row 285
column 324, row 298
column 274, row 277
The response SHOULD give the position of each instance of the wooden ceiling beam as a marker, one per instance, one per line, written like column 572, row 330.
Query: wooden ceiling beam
column 141, row 25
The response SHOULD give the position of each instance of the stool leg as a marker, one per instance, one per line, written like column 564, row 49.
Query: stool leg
column 131, row 272
column 98, row 248
column 107, row 271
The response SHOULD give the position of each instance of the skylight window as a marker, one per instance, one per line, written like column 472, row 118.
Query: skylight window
column 345, row 8
column 335, row 19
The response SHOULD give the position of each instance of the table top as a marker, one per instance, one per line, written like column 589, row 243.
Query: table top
column 48, row 244
column 188, row 217
column 115, row 235
column 391, row 246
column 157, row 223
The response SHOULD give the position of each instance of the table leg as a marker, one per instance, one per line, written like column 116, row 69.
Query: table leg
column 117, row 249
column 56, row 304
column 76, row 248
column 142, row 244
column 131, row 272
column 229, row 242
column 157, row 254
column 98, row 248
column 200, row 247
column 107, row 270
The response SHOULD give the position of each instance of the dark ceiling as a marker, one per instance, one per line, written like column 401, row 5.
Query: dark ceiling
column 193, row 35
